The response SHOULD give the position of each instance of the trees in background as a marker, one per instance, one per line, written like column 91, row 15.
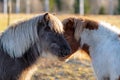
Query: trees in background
column 58, row 4
column 76, row 6
column 102, row 10
column 62, row 6
column 52, row 5
column 117, row 9
column 55, row 5
column 86, row 6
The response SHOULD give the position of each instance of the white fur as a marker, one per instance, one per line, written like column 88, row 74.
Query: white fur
column 104, row 47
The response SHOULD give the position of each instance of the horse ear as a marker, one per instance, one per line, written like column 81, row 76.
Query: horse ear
column 46, row 17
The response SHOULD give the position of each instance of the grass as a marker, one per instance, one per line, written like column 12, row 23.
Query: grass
column 77, row 68
column 17, row 17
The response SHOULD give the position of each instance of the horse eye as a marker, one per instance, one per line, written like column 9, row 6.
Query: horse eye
column 47, row 29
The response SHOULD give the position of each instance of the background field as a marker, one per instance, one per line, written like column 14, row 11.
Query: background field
column 77, row 68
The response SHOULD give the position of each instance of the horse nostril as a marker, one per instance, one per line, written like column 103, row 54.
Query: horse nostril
column 69, row 51
column 65, row 52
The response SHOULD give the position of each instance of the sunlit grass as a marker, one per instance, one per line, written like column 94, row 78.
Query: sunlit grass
column 13, row 19
column 115, row 20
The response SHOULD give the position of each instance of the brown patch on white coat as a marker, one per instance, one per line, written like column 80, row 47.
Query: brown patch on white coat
column 73, row 27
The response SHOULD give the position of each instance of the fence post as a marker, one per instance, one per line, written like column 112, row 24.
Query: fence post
column 81, row 7
column 46, row 5
column 5, row 6
column 27, row 6
column 17, row 6
column 9, row 10
column 111, row 7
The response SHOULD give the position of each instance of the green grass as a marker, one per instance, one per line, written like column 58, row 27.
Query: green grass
column 75, row 69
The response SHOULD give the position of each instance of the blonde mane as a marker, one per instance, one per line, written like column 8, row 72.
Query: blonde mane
column 56, row 24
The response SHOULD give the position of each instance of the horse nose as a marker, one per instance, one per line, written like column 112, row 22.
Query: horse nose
column 66, row 52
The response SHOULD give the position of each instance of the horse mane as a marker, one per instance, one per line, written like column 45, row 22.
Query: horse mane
column 110, row 27
column 84, row 23
column 57, row 26
column 19, row 37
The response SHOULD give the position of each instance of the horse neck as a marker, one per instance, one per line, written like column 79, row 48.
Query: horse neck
column 32, row 54
column 97, row 37
column 27, row 63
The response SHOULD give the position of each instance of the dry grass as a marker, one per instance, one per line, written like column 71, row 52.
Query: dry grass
column 77, row 68
column 115, row 20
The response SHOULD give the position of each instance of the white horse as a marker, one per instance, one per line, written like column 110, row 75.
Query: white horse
column 101, row 41
column 22, row 44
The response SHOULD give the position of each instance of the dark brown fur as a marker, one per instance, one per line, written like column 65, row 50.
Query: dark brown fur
column 85, row 47
column 119, row 35
column 69, row 35
column 91, row 25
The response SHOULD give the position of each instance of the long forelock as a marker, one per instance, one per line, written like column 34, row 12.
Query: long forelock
column 78, row 28
column 69, row 33
column 56, row 24
column 19, row 37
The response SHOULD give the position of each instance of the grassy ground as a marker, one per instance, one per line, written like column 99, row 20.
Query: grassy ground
column 77, row 68
column 115, row 20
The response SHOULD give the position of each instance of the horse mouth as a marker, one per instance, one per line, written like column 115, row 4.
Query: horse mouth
column 65, row 57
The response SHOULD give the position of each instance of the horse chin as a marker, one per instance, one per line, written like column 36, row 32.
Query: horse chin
column 64, row 58
column 52, row 55
column 49, row 55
